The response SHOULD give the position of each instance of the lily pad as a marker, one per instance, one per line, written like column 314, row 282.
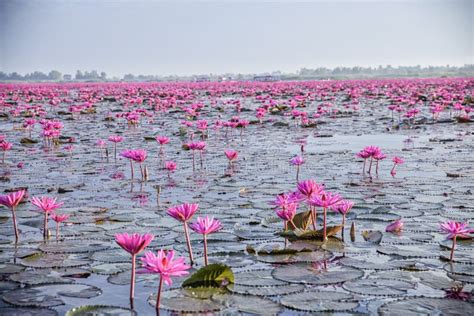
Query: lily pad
column 256, row 278
column 316, row 273
column 320, row 301
column 49, row 295
column 379, row 287
column 100, row 310
column 247, row 304
column 48, row 276
column 27, row 311
column 426, row 306
column 266, row 290
column 178, row 301
column 213, row 275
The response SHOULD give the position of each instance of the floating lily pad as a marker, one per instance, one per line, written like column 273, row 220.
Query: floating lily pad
column 368, row 264
column 75, row 246
column 266, row 290
column 320, row 301
column 177, row 301
column 296, row 257
column 247, row 304
column 316, row 273
column 426, row 306
column 49, row 295
column 100, row 310
column 115, row 255
column 110, row 268
column 379, row 287
column 430, row 278
column 256, row 278
column 27, row 311
column 54, row 260
column 48, row 276
column 410, row 251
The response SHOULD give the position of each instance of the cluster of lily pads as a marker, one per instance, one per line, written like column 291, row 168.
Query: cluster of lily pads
column 181, row 136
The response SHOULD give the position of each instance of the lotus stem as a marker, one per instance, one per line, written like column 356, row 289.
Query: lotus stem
column 205, row 250
column 15, row 226
column 451, row 257
column 132, row 281
column 188, row 243
column 158, row 296
column 324, row 226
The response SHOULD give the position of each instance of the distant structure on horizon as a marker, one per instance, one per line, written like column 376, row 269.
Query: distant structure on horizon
column 266, row 78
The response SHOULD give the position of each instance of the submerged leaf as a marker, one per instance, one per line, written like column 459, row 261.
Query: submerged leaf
column 213, row 275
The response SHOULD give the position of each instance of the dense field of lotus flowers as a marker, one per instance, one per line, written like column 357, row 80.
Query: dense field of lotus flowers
column 342, row 197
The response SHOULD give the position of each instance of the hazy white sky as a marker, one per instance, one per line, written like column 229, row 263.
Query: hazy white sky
column 197, row 37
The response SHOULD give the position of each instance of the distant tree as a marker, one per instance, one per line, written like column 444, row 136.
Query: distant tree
column 55, row 75
column 79, row 75
column 128, row 77
column 103, row 76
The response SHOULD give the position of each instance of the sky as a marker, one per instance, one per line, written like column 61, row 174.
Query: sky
column 231, row 36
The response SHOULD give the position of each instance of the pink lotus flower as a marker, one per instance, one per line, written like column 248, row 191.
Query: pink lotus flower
column 59, row 219
column 287, row 212
column 309, row 188
column 115, row 139
column 455, row 229
column 325, row 200
column 162, row 140
column 396, row 161
column 297, row 161
column 46, row 205
column 231, row 155
column 11, row 201
column 183, row 213
column 164, row 264
column 394, row 227
column 170, row 166
column 5, row 146
column 205, row 226
column 343, row 207
column 133, row 244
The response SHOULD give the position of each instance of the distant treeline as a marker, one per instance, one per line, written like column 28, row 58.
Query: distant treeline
column 303, row 74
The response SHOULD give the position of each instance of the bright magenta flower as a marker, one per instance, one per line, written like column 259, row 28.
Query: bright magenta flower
column 183, row 212
column 297, row 161
column 395, row 226
column 288, row 212
column 46, row 204
column 12, row 199
column 115, row 139
column 170, row 166
column 456, row 229
column 397, row 160
column 343, row 206
column 206, row 225
column 59, row 218
column 231, row 155
column 139, row 155
column 326, row 199
column 164, row 264
column 309, row 188
column 162, row 140
column 134, row 243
